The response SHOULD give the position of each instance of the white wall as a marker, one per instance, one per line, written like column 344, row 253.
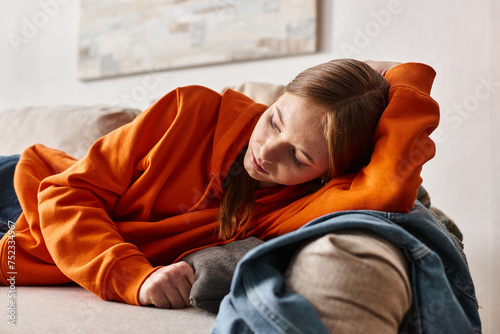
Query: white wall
column 456, row 37
column 494, row 182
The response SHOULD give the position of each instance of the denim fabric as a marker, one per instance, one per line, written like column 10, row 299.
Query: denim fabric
column 449, row 250
column 9, row 205
column 443, row 292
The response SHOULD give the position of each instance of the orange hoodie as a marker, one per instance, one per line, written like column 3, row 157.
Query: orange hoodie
column 148, row 193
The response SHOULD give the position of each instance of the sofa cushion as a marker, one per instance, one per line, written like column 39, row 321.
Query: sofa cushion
column 68, row 128
column 260, row 92
column 72, row 309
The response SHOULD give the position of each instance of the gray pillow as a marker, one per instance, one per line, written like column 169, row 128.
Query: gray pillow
column 214, row 268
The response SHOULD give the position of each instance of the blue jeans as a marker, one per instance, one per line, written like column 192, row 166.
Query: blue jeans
column 442, row 288
column 10, row 209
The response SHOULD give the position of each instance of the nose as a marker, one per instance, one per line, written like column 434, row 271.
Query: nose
column 270, row 152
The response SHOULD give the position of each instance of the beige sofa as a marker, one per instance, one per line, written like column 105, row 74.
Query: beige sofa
column 72, row 309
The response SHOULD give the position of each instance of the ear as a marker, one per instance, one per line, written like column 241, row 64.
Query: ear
column 325, row 179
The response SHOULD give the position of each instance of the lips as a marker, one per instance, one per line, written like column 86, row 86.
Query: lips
column 256, row 165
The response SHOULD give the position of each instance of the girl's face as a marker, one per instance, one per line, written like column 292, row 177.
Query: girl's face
column 288, row 145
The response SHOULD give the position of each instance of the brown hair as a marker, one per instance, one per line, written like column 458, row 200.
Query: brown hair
column 356, row 96
column 238, row 201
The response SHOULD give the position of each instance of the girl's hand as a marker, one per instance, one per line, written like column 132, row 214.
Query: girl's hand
column 168, row 287
column 382, row 66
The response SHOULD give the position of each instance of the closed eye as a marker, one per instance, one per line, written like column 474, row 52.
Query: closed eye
column 297, row 162
column 272, row 123
column 293, row 155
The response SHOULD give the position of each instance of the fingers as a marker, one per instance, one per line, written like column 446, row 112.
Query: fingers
column 181, row 282
column 188, row 271
column 168, row 287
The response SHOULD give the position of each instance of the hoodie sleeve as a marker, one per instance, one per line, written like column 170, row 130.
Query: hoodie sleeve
column 401, row 146
column 401, row 143
column 76, row 206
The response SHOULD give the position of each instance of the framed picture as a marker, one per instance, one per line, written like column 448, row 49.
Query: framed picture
column 121, row 37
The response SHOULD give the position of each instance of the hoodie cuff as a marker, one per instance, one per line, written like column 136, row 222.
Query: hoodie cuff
column 125, row 278
column 416, row 75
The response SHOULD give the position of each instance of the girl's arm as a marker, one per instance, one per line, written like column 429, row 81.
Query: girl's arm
column 401, row 146
column 77, row 207
column 401, row 141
